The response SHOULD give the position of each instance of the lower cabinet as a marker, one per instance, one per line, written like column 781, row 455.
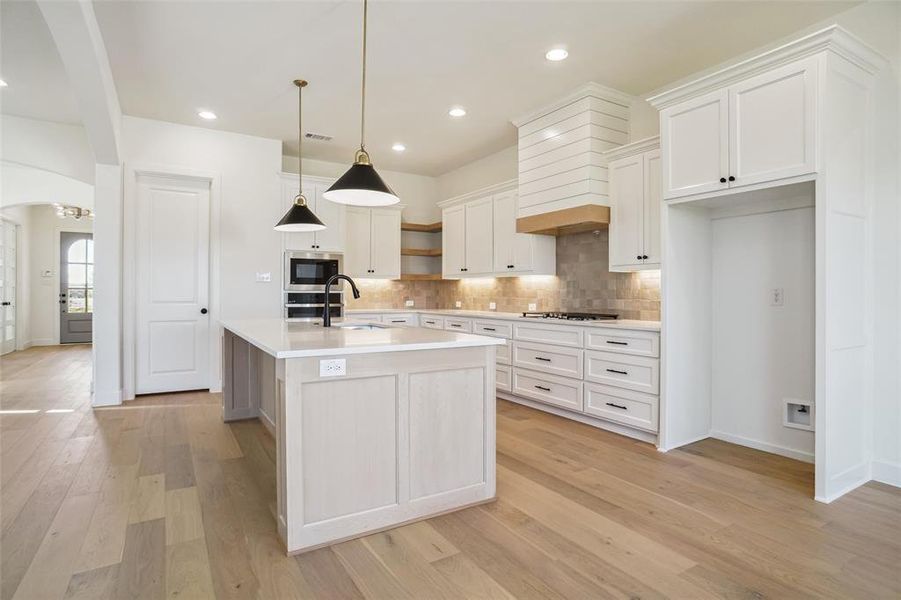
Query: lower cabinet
column 502, row 377
column 623, row 406
column 637, row 373
column 559, row 391
column 454, row 324
column 431, row 322
column 401, row 320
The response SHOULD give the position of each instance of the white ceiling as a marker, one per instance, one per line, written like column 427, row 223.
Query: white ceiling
column 170, row 59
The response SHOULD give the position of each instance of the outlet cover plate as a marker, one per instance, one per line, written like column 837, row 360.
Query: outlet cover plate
column 333, row 367
column 409, row 303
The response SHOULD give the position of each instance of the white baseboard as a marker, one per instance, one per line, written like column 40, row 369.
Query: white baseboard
column 766, row 447
column 848, row 480
column 107, row 398
column 885, row 471
column 703, row 436
column 24, row 346
column 637, row 434
column 44, row 342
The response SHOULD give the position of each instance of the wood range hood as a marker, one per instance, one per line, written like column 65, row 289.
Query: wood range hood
column 590, row 217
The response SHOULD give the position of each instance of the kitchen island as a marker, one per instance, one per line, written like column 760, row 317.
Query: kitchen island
column 375, row 426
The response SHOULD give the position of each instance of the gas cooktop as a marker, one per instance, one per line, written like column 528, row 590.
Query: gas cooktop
column 571, row 316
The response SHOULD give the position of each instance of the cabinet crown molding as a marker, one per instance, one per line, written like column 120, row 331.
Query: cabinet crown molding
column 292, row 177
column 639, row 147
column 497, row 188
column 589, row 89
column 833, row 39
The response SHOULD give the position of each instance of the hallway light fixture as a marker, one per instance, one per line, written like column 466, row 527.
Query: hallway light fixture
column 299, row 217
column 76, row 212
column 361, row 185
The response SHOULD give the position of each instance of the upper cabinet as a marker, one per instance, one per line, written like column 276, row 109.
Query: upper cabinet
column 480, row 238
column 330, row 239
column 373, row 249
column 635, row 197
column 761, row 129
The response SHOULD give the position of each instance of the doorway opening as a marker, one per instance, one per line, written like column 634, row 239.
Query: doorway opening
column 76, row 287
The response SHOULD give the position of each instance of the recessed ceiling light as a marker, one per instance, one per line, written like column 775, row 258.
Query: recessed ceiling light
column 457, row 111
column 398, row 147
column 556, row 54
column 207, row 114
column 2, row 83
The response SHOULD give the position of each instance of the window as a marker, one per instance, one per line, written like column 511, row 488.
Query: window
column 80, row 276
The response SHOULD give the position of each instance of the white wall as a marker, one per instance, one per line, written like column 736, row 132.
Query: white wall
column 23, row 184
column 761, row 353
column 418, row 193
column 56, row 147
column 491, row 169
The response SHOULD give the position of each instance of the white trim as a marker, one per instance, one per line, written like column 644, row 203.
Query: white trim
column 584, row 91
column 60, row 229
column 887, row 472
column 855, row 477
column 693, row 440
column 106, row 398
column 834, row 38
column 764, row 446
column 490, row 190
column 633, row 148
column 44, row 342
column 129, row 251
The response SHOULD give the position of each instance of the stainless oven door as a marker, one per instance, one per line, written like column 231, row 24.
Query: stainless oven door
column 309, row 271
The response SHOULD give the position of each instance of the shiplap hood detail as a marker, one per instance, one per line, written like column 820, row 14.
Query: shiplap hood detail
column 562, row 169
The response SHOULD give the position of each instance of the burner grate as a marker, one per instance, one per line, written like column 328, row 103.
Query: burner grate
column 571, row 316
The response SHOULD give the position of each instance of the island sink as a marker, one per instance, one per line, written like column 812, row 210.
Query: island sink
column 375, row 426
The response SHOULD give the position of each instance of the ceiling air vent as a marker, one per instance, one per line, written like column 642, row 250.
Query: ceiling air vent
column 319, row 137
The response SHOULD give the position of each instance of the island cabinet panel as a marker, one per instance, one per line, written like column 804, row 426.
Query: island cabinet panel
column 349, row 437
column 447, row 433
column 248, row 386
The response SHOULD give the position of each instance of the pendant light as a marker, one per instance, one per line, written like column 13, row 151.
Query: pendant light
column 299, row 217
column 361, row 185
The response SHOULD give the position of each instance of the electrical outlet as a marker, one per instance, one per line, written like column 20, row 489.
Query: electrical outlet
column 532, row 307
column 264, row 277
column 47, row 273
column 492, row 306
column 458, row 304
column 409, row 303
column 333, row 367
column 777, row 297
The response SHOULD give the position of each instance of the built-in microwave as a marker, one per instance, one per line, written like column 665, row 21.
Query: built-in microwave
column 308, row 271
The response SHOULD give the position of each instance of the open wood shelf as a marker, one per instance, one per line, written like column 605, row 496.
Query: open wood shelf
column 420, row 251
column 425, row 227
column 420, row 276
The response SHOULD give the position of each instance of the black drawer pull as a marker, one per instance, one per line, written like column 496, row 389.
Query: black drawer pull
column 617, row 372
column 540, row 387
column 398, row 320
column 455, row 325
column 542, row 358
column 617, row 406
column 430, row 322
column 617, row 343
column 489, row 328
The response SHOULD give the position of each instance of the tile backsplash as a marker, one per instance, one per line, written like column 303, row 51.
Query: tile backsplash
column 582, row 284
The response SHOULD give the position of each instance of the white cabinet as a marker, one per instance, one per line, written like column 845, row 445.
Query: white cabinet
column 401, row 319
column 480, row 239
column 759, row 130
column 330, row 239
column 373, row 243
column 635, row 197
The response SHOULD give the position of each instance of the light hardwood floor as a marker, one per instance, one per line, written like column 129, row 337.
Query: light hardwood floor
column 160, row 499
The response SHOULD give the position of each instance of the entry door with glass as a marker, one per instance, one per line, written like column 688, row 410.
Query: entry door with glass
column 76, row 287
column 7, row 287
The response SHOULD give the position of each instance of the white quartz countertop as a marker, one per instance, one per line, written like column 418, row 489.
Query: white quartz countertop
column 510, row 316
column 283, row 339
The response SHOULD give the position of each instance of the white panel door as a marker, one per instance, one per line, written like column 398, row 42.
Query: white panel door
column 298, row 240
column 356, row 254
column 694, row 140
column 512, row 250
column 653, row 189
column 773, row 124
column 8, row 286
column 330, row 239
column 385, row 244
column 172, row 277
column 453, row 242
column 627, row 198
column 479, row 237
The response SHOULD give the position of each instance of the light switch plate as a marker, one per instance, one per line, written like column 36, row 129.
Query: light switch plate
column 264, row 277
column 409, row 303
column 458, row 304
column 532, row 307
column 47, row 273
column 777, row 297
column 333, row 367
column 492, row 306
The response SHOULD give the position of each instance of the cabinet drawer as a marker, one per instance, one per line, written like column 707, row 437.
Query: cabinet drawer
column 503, row 354
column 559, row 391
column 561, row 336
column 637, row 373
column 363, row 317
column 458, row 324
column 502, row 377
column 431, row 322
column 623, row 406
column 639, row 343
column 549, row 359
column 399, row 320
column 493, row 328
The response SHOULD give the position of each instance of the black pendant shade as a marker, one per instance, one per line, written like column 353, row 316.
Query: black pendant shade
column 361, row 185
column 299, row 218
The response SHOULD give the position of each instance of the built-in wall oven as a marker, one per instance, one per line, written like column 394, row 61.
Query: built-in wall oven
column 305, row 276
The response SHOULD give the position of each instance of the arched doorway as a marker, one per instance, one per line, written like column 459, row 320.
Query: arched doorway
column 76, row 287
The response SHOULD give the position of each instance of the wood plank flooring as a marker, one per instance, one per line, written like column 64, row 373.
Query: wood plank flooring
column 160, row 499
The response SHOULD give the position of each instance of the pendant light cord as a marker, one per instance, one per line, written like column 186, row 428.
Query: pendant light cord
column 363, row 86
column 300, row 83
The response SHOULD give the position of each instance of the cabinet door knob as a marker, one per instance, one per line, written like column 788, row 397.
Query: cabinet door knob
column 731, row 177
column 722, row 180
